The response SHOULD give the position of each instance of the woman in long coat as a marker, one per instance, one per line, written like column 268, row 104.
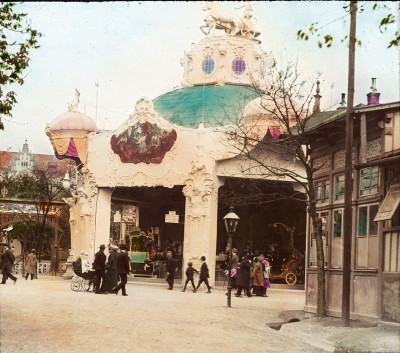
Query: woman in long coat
column 257, row 275
column 30, row 265
column 243, row 279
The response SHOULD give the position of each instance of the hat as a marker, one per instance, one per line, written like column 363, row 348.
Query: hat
column 234, row 250
column 122, row 246
column 102, row 246
column 203, row 258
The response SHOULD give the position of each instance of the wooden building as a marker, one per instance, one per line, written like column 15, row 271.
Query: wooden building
column 375, row 260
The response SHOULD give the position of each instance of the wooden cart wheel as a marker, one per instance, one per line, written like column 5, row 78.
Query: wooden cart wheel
column 291, row 278
column 75, row 286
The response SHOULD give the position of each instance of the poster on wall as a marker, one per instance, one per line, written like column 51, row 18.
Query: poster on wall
column 130, row 214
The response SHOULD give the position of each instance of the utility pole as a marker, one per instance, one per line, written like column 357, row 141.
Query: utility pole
column 97, row 95
column 347, row 216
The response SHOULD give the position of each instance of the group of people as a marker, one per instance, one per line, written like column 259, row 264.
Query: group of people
column 108, row 273
column 250, row 275
column 7, row 263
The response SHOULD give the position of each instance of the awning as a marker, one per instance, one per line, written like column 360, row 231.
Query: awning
column 389, row 204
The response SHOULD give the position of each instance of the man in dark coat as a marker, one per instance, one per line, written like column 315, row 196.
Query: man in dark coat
column 171, row 268
column 112, row 277
column 204, row 275
column 99, row 266
column 243, row 279
column 7, row 262
column 123, row 268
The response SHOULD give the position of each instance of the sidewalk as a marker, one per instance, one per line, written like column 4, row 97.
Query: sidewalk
column 53, row 318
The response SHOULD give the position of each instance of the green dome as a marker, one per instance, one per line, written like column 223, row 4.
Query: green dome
column 211, row 105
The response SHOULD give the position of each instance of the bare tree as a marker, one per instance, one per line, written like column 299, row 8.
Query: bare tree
column 271, row 137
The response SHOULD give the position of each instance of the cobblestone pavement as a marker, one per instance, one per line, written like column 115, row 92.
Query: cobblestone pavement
column 45, row 315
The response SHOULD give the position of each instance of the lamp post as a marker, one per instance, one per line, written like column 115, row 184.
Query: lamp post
column 231, row 221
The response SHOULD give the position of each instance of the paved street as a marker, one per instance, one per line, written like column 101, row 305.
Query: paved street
column 45, row 315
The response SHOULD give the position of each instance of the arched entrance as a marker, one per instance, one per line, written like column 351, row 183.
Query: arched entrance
column 150, row 221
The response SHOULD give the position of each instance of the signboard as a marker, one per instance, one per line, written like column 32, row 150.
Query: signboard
column 129, row 214
column 171, row 217
column 117, row 217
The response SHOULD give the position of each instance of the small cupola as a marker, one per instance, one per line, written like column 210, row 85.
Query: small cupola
column 68, row 132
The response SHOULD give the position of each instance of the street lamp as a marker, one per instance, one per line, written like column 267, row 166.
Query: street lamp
column 231, row 221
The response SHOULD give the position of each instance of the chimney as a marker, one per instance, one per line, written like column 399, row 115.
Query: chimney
column 343, row 102
column 373, row 96
column 317, row 108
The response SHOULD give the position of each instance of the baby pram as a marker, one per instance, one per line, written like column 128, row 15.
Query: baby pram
column 82, row 280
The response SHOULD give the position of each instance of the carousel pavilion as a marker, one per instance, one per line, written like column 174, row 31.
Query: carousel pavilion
column 158, row 174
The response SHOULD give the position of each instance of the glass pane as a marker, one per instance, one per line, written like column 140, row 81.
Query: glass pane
column 327, row 193
column 208, row 66
column 337, row 224
column 318, row 191
column 238, row 66
column 373, row 226
column 362, row 221
column 339, row 187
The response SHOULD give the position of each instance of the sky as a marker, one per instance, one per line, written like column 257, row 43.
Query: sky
column 133, row 50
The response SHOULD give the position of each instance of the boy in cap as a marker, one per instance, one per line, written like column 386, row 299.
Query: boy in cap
column 189, row 276
column 204, row 275
column 99, row 266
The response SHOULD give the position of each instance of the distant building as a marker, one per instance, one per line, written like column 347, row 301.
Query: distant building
column 17, row 162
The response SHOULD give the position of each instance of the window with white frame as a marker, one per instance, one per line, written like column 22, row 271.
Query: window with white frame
column 369, row 179
column 324, row 216
column 391, row 252
column 339, row 187
column 367, row 237
column 322, row 189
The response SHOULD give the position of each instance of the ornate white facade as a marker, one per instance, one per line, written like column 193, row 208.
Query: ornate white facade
column 149, row 150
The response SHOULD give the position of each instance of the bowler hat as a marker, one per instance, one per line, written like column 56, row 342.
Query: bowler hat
column 203, row 258
column 122, row 246
column 102, row 246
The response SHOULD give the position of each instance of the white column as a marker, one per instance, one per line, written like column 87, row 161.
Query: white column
column 102, row 217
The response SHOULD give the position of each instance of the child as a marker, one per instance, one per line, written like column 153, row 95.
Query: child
column 189, row 276
column 266, row 277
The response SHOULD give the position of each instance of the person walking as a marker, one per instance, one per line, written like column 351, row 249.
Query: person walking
column 111, row 275
column 7, row 262
column 99, row 266
column 257, row 275
column 204, row 275
column 189, row 276
column 123, row 268
column 30, row 265
column 171, row 268
column 243, row 280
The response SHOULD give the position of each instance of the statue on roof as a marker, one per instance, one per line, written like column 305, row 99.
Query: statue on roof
column 73, row 106
column 218, row 18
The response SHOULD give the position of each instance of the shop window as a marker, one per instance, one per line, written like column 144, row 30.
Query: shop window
column 336, row 249
column 238, row 66
column 367, row 237
column 339, row 187
column 392, row 252
column 322, row 191
column 324, row 216
column 208, row 66
column 369, row 179
column 337, row 223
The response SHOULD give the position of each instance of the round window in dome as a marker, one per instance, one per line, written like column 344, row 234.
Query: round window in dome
column 208, row 66
column 238, row 66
